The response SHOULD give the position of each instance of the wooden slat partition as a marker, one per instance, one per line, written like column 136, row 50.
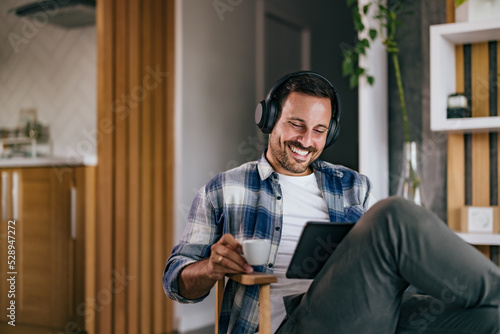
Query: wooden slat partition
column 85, row 185
column 146, row 176
column 480, row 141
column 120, row 169
column 168, row 198
column 456, row 157
column 450, row 11
column 456, row 180
column 104, row 173
column 134, row 176
column 159, row 167
column 135, row 165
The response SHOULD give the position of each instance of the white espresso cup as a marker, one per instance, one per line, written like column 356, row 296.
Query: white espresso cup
column 256, row 251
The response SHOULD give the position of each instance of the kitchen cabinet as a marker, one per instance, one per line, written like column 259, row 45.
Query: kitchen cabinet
column 44, row 210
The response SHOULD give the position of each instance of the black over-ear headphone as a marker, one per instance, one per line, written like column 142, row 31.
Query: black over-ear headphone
column 266, row 112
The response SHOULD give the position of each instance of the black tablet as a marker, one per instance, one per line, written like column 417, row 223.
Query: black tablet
column 317, row 242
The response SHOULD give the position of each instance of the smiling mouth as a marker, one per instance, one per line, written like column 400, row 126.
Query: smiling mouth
column 301, row 154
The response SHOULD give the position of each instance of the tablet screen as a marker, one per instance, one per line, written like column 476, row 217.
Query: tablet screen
column 317, row 242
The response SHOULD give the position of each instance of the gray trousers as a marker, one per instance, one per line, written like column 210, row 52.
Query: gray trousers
column 363, row 287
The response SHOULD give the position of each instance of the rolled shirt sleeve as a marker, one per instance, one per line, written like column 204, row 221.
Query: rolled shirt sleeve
column 199, row 234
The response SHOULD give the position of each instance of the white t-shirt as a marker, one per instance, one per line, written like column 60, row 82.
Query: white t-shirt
column 302, row 202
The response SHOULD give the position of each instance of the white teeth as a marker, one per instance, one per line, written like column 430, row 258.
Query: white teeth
column 299, row 152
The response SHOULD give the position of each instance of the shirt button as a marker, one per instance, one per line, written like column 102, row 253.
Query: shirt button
column 279, row 197
column 278, row 228
column 270, row 265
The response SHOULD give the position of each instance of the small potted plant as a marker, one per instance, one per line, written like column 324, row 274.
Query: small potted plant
column 476, row 10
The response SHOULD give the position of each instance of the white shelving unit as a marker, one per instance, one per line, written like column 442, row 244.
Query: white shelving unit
column 443, row 38
column 488, row 239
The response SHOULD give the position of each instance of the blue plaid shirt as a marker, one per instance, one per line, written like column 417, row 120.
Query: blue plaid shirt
column 251, row 195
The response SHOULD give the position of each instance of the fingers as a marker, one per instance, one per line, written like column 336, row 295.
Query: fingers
column 229, row 241
column 226, row 258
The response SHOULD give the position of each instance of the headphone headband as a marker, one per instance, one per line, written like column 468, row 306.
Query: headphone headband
column 266, row 112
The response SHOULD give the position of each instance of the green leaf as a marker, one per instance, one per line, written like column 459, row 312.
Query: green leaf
column 347, row 51
column 371, row 80
column 351, row 2
column 365, row 42
column 353, row 81
column 383, row 9
column 459, row 2
column 347, row 66
column 359, row 71
column 373, row 34
column 360, row 49
column 366, row 8
column 358, row 23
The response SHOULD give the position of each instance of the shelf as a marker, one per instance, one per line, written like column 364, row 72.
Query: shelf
column 443, row 38
column 18, row 141
column 480, row 238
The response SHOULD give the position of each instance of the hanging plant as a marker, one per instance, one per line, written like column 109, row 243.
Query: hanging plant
column 386, row 17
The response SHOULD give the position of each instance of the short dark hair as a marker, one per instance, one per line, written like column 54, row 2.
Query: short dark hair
column 308, row 84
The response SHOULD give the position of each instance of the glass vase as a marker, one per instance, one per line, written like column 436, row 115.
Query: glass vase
column 410, row 181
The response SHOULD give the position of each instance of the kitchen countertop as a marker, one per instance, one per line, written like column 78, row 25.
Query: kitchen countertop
column 48, row 162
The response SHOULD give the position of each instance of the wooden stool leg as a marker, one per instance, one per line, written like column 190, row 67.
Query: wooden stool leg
column 219, row 293
column 264, row 280
column 265, row 309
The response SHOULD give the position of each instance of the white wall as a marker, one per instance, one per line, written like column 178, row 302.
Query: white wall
column 53, row 70
column 373, row 115
column 215, row 104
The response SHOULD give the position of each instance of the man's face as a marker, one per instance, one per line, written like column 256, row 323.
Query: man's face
column 299, row 135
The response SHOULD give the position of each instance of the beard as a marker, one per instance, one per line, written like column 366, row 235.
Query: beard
column 282, row 155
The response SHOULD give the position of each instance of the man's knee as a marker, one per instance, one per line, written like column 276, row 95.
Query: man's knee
column 393, row 204
column 392, row 210
column 396, row 218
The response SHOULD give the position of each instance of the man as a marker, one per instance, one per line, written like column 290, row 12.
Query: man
column 361, row 287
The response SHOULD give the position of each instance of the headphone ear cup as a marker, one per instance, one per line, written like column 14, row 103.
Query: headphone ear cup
column 260, row 114
column 333, row 133
column 272, row 115
column 265, row 116
column 334, row 129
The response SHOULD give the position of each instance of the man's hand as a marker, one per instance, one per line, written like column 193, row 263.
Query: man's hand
column 226, row 258
column 198, row 278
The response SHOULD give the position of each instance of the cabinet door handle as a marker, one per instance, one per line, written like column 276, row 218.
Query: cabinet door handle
column 73, row 213
column 5, row 177
column 15, row 195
